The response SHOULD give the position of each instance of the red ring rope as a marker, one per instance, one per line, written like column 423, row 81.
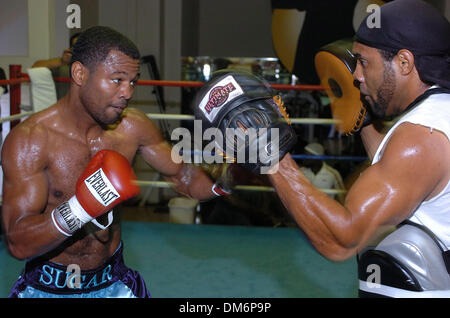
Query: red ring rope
column 17, row 77
column 26, row 79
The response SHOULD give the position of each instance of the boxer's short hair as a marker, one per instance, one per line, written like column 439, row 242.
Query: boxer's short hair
column 94, row 44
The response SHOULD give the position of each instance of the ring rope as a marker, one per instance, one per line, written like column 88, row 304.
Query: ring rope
column 164, row 184
column 16, row 116
column 25, row 79
column 315, row 157
column 293, row 120
column 294, row 156
column 167, row 185
column 157, row 116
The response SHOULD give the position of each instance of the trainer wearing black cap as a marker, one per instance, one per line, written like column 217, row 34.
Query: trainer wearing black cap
column 402, row 70
column 415, row 26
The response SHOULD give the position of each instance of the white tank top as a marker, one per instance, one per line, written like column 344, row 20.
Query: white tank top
column 433, row 112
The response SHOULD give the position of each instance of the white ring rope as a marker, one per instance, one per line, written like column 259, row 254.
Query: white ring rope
column 157, row 116
column 164, row 184
column 293, row 120
column 16, row 116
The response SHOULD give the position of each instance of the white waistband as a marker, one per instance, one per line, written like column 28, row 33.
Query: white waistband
column 401, row 293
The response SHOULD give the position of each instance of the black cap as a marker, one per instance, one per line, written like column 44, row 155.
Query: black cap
column 416, row 26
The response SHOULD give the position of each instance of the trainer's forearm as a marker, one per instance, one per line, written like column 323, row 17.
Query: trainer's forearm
column 323, row 219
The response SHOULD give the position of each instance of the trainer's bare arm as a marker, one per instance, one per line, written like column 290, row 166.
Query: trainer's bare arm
column 414, row 168
column 188, row 180
column 29, row 231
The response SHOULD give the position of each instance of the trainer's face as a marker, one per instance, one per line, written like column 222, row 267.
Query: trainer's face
column 376, row 78
column 110, row 86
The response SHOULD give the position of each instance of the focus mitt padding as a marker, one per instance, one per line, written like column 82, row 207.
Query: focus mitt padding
column 251, row 119
column 335, row 65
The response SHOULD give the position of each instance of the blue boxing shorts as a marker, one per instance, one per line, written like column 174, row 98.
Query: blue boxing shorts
column 50, row 280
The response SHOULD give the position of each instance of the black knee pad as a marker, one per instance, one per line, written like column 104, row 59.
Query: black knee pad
column 409, row 262
column 379, row 268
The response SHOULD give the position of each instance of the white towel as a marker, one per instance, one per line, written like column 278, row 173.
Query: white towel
column 43, row 91
column 1, row 144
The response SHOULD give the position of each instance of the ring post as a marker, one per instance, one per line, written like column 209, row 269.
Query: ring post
column 14, row 72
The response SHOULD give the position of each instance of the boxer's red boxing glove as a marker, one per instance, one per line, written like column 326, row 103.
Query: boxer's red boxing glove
column 107, row 181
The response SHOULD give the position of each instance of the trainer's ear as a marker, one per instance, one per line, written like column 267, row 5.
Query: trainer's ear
column 405, row 61
column 79, row 73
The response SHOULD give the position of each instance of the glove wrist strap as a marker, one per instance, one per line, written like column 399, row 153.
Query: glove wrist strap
column 65, row 220
column 70, row 216
column 79, row 211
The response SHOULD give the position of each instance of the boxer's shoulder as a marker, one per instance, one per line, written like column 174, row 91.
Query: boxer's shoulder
column 24, row 150
column 135, row 116
column 31, row 132
column 135, row 123
column 38, row 123
column 32, row 137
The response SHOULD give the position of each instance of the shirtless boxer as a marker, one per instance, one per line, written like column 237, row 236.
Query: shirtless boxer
column 402, row 70
column 44, row 156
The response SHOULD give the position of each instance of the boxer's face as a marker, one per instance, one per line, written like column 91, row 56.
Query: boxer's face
column 109, row 87
column 376, row 78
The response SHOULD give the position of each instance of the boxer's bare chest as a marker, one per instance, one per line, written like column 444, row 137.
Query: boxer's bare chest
column 68, row 156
